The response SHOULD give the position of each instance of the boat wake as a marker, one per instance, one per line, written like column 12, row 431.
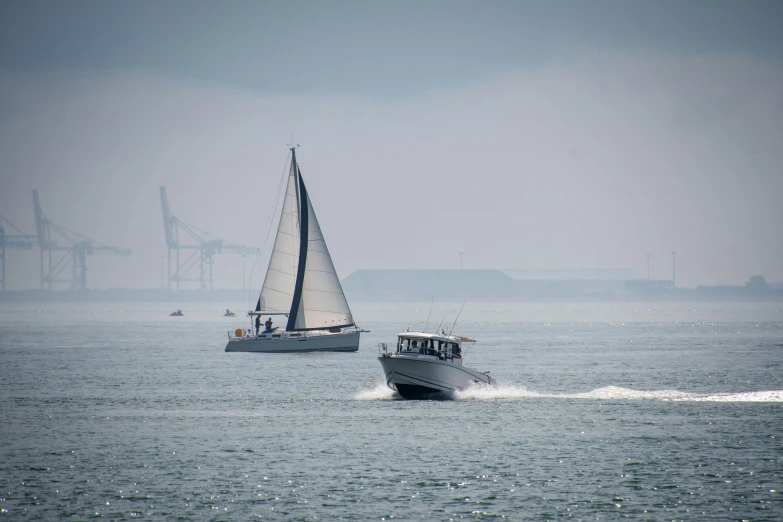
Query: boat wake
column 381, row 392
column 509, row 392
column 616, row 393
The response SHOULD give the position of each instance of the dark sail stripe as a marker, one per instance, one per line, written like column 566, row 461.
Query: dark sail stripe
column 304, row 216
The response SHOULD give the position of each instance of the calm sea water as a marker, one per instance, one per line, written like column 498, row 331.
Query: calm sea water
column 604, row 411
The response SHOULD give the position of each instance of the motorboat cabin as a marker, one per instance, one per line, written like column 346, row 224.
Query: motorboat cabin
column 444, row 347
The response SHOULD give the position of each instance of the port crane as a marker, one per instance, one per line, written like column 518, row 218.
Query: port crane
column 193, row 255
column 64, row 252
column 17, row 241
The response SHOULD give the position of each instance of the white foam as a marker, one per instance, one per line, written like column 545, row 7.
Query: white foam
column 619, row 393
column 483, row 392
column 761, row 396
column 381, row 392
column 499, row 392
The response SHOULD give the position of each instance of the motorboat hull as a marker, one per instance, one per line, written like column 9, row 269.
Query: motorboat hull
column 285, row 342
column 421, row 377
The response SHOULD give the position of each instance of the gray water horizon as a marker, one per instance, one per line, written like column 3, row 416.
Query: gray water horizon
column 602, row 411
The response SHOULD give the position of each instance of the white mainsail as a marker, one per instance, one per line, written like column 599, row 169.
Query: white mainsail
column 312, row 296
column 277, row 291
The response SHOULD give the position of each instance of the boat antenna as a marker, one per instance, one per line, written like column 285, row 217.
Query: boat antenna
column 460, row 311
column 293, row 145
column 429, row 314
column 441, row 322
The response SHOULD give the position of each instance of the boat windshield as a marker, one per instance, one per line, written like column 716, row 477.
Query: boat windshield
column 439, row 348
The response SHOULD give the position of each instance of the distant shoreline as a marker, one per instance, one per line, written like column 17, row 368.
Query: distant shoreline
column 512, row 286
column 126, row 295
column 123, row 295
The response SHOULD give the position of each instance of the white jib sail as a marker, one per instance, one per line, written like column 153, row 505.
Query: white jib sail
column 278, row 289
column 323, row 303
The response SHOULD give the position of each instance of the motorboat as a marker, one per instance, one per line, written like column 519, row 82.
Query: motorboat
column 229, row 313
column 301, row 284
column 178, row 313
column 428, row 366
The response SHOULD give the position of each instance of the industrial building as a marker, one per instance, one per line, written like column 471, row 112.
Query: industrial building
column 397, row 285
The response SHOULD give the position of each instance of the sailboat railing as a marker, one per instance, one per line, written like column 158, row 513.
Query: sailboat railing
column 249, row 333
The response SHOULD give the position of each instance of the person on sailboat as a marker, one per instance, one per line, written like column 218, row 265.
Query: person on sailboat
column 258, row 324
column 268, row 325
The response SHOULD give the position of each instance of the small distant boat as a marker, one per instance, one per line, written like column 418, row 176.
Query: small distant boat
column 229, row 313
column 178, row 313
column 428, row 366
column 300, row 284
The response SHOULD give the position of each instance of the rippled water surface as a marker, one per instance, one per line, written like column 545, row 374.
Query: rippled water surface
column 603, row 411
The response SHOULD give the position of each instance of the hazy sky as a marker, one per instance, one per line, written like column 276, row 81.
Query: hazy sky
column 525, row 134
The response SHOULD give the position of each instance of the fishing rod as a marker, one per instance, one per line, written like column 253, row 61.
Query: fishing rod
column 429, row 314
column 460, row 311
column 441, row 321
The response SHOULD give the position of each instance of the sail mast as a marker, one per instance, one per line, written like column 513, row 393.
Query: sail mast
column 303, row 213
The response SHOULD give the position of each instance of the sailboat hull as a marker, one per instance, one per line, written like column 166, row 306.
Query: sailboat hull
column 285, row 342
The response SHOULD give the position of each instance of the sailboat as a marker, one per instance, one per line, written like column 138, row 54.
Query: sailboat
column 301, row 285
